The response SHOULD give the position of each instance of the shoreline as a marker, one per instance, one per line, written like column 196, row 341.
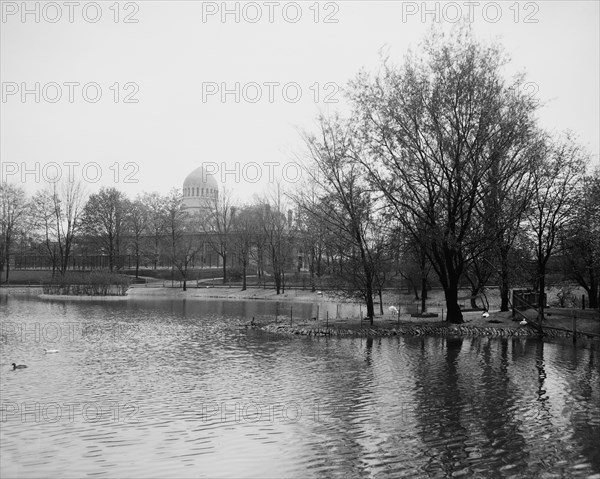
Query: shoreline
column 69, row 297
column 403, row 329
column 417, row 329
column 224, row 292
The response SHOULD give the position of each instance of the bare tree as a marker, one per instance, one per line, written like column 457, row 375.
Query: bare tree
column 179, row 237
column 156, row 205
column 246, row 224
column 276, row 231
column 506, row 196
column 186, row 248
column 415, row 265
column 13, row 210
column 136, row 219
column 56, row 211
column 258, row 251
column 216, row 222
column 311, row 238
column 345, row 205
column 556, row 182
column 433, row 127
column 581, row 240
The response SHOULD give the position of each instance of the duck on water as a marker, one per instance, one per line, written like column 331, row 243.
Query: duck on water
column 18, row 366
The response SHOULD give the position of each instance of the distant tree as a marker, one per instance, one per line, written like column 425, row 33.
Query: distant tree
column 581, row 240
column 186, row 248
column 556, row 181
column 478, row 274
column 156, row 206
column 275, row 231
column 56, row 213
column 13, row 219
column 257, row 252
column 180, row 238
column 344, row 206
column 382, row 256
column 103, row 221
column 246, row 223
column 136, row 220
column 415, row 266
column 216, row 222
column 311, row 238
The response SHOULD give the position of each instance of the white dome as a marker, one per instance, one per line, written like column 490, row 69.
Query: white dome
column 198, row 187
column 199, row 177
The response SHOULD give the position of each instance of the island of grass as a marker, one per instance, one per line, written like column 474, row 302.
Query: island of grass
column 558, row 324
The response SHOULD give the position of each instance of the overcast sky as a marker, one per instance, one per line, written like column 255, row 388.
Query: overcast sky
column 161, row 69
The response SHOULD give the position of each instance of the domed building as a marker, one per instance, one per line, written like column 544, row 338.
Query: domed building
column 198, row 188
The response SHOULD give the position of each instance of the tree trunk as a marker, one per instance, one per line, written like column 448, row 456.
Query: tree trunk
column 504, row 296
column 370, row 305
column 277, row 281
column 504, row 281
column 155, row 252
column 415, row 289
column 7, row 258
column 474, row 292
column 593, row 291
column 380, row 301
column 118, row 254
column 449, row 274
column 423, row 294
column 224, row 256
column 111, row 254
column 542, row 289
column 244, row 275
column 454, row 313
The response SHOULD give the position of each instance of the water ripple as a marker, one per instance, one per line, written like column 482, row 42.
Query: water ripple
column 161, row 389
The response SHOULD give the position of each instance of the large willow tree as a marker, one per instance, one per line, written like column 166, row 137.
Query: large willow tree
column 443, row 130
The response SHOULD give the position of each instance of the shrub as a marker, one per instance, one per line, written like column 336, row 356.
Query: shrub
column 96, row 283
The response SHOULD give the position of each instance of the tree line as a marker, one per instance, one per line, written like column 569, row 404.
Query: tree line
column 153, row 229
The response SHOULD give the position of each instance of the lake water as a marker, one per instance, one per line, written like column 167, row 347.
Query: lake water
column 173, row 388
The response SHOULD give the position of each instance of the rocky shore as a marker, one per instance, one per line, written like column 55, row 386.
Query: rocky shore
column 416, row 330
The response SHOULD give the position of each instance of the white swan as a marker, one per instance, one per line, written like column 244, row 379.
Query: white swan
column 393, row 309
column 51, row 351
column 523, row 322
column 485, row 314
